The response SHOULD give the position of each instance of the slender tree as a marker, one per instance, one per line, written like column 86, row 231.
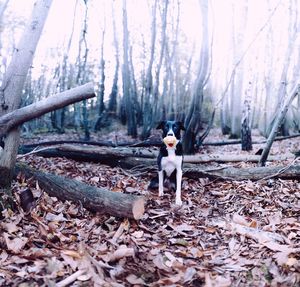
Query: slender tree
column 164, row 16
column 112, row 104
column 82, row 74
column 100, row 105
column 148, row 98
column 237, row 82
column 193, row 119
column 128, row 102
column 12, row 86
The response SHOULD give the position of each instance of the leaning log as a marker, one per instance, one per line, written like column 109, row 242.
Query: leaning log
column 19, row 116
column 92, row 198
column 278, row 121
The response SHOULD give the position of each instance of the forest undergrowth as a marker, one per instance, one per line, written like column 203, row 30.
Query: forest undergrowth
column 227, row 233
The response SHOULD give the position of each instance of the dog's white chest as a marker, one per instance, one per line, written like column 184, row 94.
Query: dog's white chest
column 171, row 162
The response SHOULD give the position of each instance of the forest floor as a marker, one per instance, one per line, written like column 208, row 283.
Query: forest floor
column 227, row 233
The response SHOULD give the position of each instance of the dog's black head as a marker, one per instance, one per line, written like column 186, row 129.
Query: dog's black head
column 171, row 128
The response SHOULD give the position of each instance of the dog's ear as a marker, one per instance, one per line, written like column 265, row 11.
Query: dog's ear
column 181, row 126
column 161, row 125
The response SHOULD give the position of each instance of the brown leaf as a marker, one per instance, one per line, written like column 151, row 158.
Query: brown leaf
column 15, row 245
column 160, row 263
column 53, row 217
column 134, row 280
column 10, row 227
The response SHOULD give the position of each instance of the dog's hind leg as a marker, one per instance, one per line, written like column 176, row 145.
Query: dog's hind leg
column 178, row 200
column 160, row 183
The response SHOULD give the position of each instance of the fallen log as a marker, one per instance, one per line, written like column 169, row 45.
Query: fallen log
column 92, row 198
column 109, row 156
column 109, row 143
column 251, row 173
column 112, row 156
column 146, row 144
column 233, row 142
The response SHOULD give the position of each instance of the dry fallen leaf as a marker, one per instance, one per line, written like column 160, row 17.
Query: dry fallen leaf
column 134, row 280
column 16, row 244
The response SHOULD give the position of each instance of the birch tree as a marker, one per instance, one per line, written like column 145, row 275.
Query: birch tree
column 13, row 83
column 127, row 92
column 193, row 119
column 147, row 108
column 112, row 103
column 237, row 83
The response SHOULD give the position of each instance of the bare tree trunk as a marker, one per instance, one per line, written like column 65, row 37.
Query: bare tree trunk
column 246, row 137
column 3, row 7
column 237, row 88
column 159, row 66
column 63, row 81
column 101, row 107
column 13, row 83
column 278, row 121
column 148, row 98
column 193, row 119
column 292, row 34
column 112, row 105
column 127, row 92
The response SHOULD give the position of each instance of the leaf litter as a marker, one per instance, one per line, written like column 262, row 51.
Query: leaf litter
column 228, row 233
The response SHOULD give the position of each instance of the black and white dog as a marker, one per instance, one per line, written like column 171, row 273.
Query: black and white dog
column 170, row 157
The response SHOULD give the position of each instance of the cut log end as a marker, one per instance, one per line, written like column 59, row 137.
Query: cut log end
column 138, row 208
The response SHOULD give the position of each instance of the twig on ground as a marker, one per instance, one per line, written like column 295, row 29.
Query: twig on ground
column 280, row 171
column 70, row 279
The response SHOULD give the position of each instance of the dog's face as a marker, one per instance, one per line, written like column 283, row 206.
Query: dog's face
column 171, row 128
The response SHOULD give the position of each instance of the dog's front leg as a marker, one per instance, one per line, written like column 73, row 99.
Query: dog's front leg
column 178, row 200
column 160, row 183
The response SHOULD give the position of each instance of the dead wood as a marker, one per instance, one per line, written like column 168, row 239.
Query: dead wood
column 112, row 156
column 19, row 116
column 145, row 159
column 93, row 198
column 278, row 121
column 253, row 173
column 147, row 143
column 233, row 142
column 110, row 143
column 221, row 158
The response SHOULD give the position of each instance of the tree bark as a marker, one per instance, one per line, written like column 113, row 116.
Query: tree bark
column 277, row 123
column 92, row 198
column 193, row 120
column 127, row 91
column 246, row 137
column 253, row 173
column 19, row 116
column 148, row 98
column 115, row 156
column 238, row 33
column 112, row 105
column 231, row 142
column 13, row 83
